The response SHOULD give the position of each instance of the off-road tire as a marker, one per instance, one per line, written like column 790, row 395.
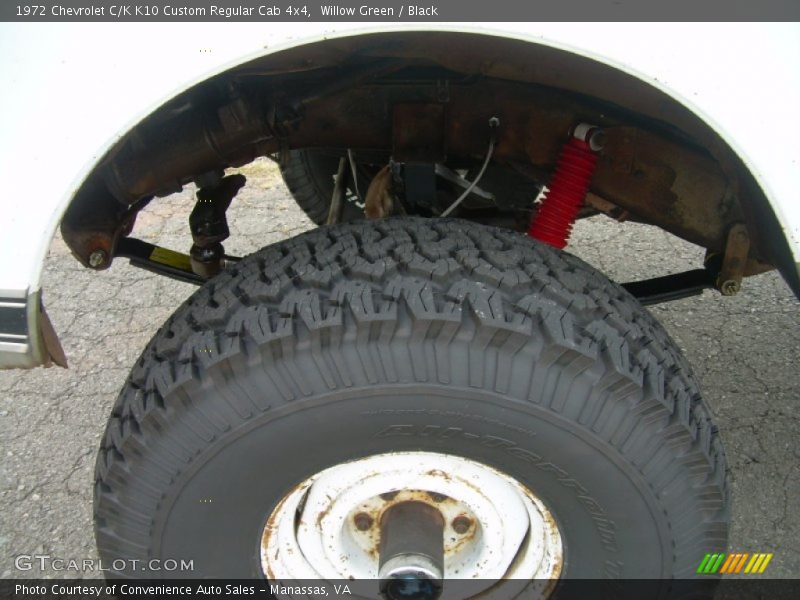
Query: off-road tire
column 412, row 334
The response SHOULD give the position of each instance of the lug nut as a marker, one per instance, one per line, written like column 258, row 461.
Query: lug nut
column 97, row 259
column 461, row 524
column 363, row 521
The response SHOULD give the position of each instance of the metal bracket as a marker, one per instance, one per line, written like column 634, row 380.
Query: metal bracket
column 449, row 175
column 734, row 261
column 339, row 192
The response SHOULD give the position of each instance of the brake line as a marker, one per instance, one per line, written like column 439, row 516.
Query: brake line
column 494, row 122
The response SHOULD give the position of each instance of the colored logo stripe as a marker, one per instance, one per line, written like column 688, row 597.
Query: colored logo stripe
column 731, row 560
column 758, row 563
column 734, row 563
column 765, row 563
column 710, row 563
column 704, row 563
column 740, row 564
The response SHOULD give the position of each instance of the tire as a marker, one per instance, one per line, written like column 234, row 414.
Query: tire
column 309, row 176
column 412, row 334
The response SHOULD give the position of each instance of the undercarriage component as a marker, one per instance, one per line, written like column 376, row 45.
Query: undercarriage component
column 418, row 132
column 648, row 172
column 411, row 551
column 94, row 223
column 671, row 287
column 734, row 261
column 339, row 189
column 601, row 205
column 655, row 176
column 428, row 93
column 156, row 259
column 494, row 123
column 176, row 265
column 419, row 188
column 309, row 176
column 351, row 159
column 209, row 225
column 380, row 201
column 552, row 223
column 453, row 177
column 192, row 137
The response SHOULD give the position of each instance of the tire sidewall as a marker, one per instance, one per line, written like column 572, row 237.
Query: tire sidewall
column 611, row 524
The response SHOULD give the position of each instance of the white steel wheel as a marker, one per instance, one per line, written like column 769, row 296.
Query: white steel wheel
column 494, row 528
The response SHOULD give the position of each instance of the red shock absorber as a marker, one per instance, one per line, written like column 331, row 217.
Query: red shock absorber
column 552, row 223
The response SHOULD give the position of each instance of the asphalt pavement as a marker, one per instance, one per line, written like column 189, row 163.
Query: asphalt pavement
column 744, row 349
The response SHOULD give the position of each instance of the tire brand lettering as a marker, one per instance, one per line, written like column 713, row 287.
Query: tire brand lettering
column 606, row 528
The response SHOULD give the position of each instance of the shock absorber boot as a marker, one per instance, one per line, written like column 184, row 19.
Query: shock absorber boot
column 552, row 223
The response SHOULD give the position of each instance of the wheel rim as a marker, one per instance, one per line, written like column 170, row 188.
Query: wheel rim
column 495, row 529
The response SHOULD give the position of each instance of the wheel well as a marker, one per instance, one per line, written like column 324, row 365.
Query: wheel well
column 662, row 163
